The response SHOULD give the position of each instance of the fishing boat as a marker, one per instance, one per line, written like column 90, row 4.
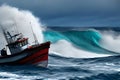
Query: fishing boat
column 22, row 53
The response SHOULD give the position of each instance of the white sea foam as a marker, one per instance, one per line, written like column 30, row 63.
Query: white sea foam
column 66, row 49
column 111, row 41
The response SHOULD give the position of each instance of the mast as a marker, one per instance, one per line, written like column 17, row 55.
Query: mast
column 16, row 30
column 8, row 37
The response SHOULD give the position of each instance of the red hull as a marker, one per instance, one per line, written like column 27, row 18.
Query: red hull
column 37, row 55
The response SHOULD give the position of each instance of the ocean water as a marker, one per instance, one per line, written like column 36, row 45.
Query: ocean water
column 75, row 54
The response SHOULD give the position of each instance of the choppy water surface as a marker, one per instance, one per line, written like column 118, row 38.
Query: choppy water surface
column 61, row 68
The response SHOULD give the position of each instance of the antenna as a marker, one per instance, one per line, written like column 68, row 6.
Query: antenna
column 35, row 38
column 4, row 33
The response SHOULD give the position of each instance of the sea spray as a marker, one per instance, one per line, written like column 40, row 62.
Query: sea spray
column 111, row 40
column 23, row 20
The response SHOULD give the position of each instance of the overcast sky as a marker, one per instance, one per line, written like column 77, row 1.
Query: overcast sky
column 72, row 12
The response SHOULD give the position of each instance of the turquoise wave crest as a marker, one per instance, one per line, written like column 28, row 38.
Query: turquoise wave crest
column 88, row 40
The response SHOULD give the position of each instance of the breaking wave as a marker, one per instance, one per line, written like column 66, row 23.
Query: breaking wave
column 81, row 44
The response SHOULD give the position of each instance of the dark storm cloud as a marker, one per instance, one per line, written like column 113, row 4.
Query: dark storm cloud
column 71, row 12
